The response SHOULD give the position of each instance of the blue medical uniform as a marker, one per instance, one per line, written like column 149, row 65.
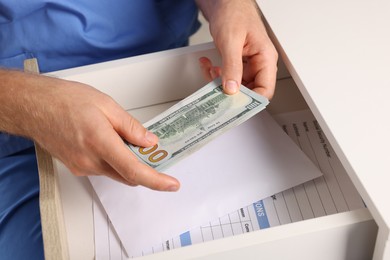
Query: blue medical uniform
column 63, row 34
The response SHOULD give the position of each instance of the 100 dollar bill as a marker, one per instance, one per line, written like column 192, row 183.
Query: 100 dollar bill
column 196, row 120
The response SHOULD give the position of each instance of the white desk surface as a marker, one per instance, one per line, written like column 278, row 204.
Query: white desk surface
column 338, row 53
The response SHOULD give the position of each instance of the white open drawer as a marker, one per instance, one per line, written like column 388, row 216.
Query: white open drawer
column 171, row 75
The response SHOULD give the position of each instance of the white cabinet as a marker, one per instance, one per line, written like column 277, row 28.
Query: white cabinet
column 167, row 76
column 337, row 53
column 339, row 61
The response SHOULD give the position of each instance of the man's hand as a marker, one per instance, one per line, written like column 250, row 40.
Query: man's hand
column 80, row 126
column 248, row 55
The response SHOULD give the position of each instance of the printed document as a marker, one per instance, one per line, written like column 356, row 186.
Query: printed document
column 331, row 193
column 252, row 161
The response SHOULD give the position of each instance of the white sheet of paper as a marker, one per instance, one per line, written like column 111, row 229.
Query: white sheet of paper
column 250, row 162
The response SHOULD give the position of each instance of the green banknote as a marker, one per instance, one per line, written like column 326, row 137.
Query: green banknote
column 196, row 120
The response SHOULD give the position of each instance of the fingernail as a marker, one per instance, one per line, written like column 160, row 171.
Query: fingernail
column 212, row 73
column 172, row 188
column 231, row 86
column 150, row 137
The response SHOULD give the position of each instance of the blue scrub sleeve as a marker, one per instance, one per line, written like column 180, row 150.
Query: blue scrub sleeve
column 20, row 224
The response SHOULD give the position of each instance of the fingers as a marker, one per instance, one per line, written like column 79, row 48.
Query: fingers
column 141, row 174
column 120, row 158
column 265, row 81
column 130, row 128
column 108, row 171
column 260, row 73
column 232, row 66
column 209, row 71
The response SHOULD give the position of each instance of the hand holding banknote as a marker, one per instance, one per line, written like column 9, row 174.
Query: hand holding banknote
column 248, row 55
column 81, row 126
column 195, row 121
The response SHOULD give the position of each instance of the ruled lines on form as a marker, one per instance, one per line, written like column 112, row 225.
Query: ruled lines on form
column 332, row 193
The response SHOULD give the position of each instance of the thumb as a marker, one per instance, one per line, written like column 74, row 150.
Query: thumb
column 132, row 130
column 232, row 67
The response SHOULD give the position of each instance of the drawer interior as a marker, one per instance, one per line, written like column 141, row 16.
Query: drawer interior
column 335, row 226
column 334, row 235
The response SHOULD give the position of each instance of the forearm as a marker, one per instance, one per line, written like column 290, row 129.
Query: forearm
column 230, row 17
column 14, row 92
column 82, row 127
column 27, row 102
column 208, row 7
